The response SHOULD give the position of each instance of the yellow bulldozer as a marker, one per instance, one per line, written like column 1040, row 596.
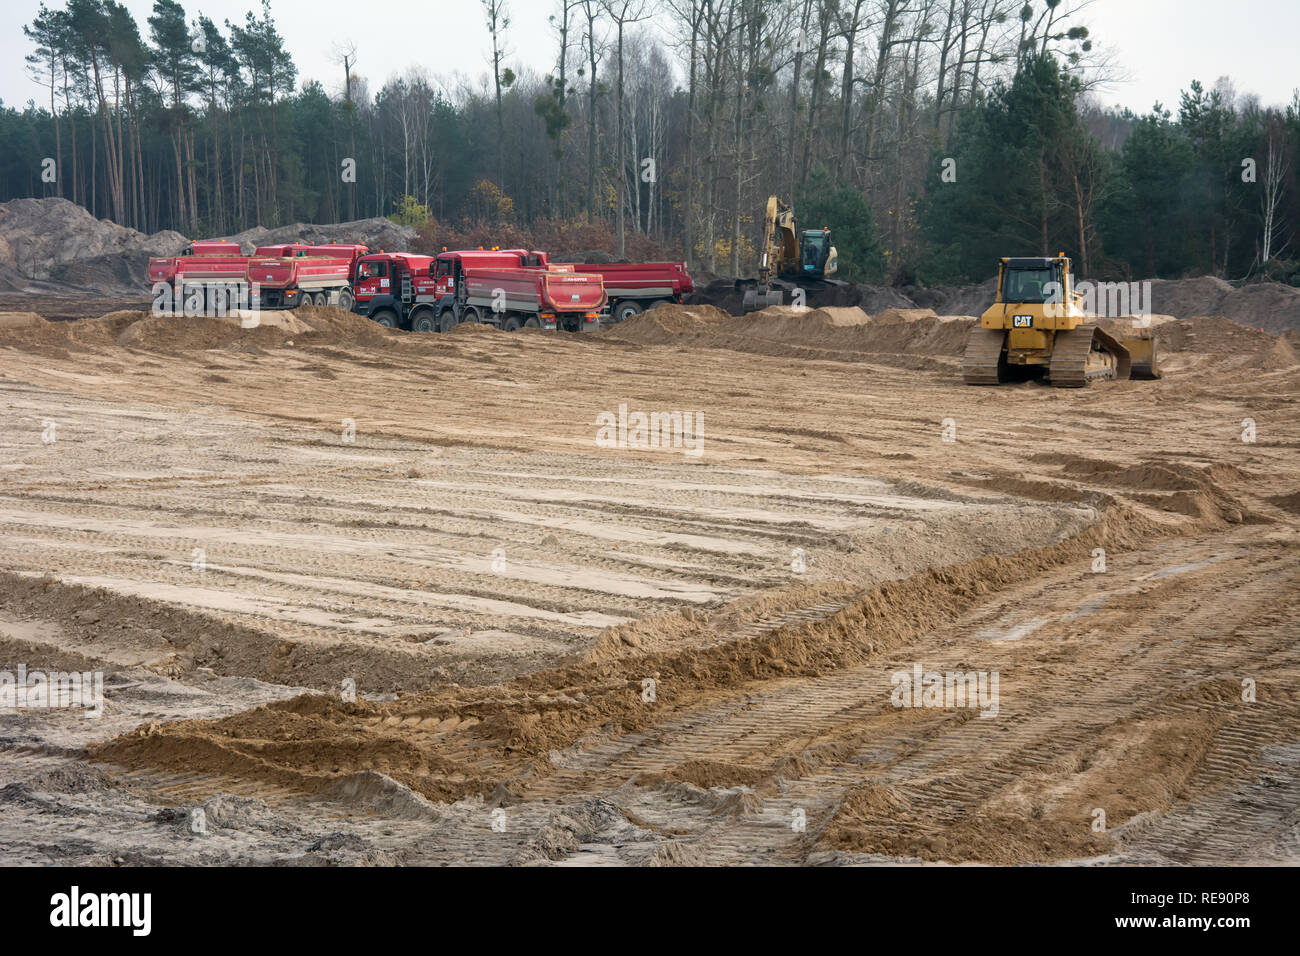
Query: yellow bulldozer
column 1038, row 326
column 789, row 259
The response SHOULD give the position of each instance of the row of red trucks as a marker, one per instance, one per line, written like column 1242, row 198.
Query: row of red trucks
column 508, row 288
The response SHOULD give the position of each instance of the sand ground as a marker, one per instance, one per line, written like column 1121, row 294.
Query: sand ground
column 575, row 654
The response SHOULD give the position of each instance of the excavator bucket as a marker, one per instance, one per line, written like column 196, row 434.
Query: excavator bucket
column 758, row 299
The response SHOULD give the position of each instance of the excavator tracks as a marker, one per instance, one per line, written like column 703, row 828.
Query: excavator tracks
column 983, row 363
column 1086, row 354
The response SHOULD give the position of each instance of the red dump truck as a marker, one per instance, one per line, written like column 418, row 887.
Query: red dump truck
column 285, row 275
column 296, row 274
column 510, row 289
column 629, row 287
column 515, row 289
column 201, row 262
column 635, row 287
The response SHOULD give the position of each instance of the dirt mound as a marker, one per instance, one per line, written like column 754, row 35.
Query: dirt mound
column 669, row 324
column 832, row 332
column 724, row 294
column 136, row 329
column 20, row 320
column 42, row 238
column 473, row 328
column 179, row 334
column 593, row 256
column 1211, row 333
column 958, row 300
column 1280, row 356
column 1269, row 306
column 377, row 233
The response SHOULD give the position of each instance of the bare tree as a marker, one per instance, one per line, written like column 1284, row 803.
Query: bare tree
column 1275, row 171
column 497, row 15
column 622, row 12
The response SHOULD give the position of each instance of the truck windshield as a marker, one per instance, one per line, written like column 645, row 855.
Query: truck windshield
column 1026, row 285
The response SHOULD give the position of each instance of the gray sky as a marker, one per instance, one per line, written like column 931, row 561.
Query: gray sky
column 1162, row 45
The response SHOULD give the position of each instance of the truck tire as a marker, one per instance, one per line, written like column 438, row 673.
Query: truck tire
column 626, row 309
column 423, row 321
column 470, row 315
column 321, row 299
column 512, row 323
column 446, row 319
column 387, row 318
column 345, row 300
column 658, row 302
column 532, row 323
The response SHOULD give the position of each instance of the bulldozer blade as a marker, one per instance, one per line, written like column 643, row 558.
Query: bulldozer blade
column 1123, row 360
column 1145, row 361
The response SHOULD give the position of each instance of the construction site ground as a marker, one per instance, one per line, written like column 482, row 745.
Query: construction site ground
column 570, row 654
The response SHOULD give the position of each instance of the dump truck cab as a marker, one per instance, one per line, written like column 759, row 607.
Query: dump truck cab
column 389, row 287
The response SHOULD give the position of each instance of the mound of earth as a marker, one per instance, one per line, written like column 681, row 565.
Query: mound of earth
column 377, row 233
column 669, row 324
column 1211, row 334
column 143, row 330
column 1280, row 356
column 833, row 332
column 20, row 320
column 724, row 294
column 1268, row 306
column 39, row 236
column 594, row 256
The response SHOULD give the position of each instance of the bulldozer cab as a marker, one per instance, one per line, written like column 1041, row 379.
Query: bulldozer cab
column 1033, row 280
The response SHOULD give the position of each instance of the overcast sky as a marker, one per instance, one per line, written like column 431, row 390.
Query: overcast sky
column 1162, row 45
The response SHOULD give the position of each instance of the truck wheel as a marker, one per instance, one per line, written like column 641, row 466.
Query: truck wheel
column 423, row 321
column 470, row 315
column 512, row 323
column 532, row 323
column 658, row 302
column 386, row 318
column 626, row 309
column 321, row 299
column 446, row 320
column 345, row 300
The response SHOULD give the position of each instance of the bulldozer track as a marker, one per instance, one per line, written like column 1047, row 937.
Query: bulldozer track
column 1071, row 352
column 982, row 362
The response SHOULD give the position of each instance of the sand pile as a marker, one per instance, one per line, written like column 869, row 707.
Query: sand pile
column 142, row 330
column 831, row 332
column 1280, row 356
column 1263, row 305
column 724, row 294
column 40, row 237
column 1212, row 333
column 20, row 320
column 669, row 325
column 377, row 233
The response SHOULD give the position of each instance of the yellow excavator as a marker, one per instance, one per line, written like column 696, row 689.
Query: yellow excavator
column 1037, row 325
column 790, row 259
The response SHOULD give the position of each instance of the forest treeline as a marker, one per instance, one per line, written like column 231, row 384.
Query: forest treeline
column 931, row 135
